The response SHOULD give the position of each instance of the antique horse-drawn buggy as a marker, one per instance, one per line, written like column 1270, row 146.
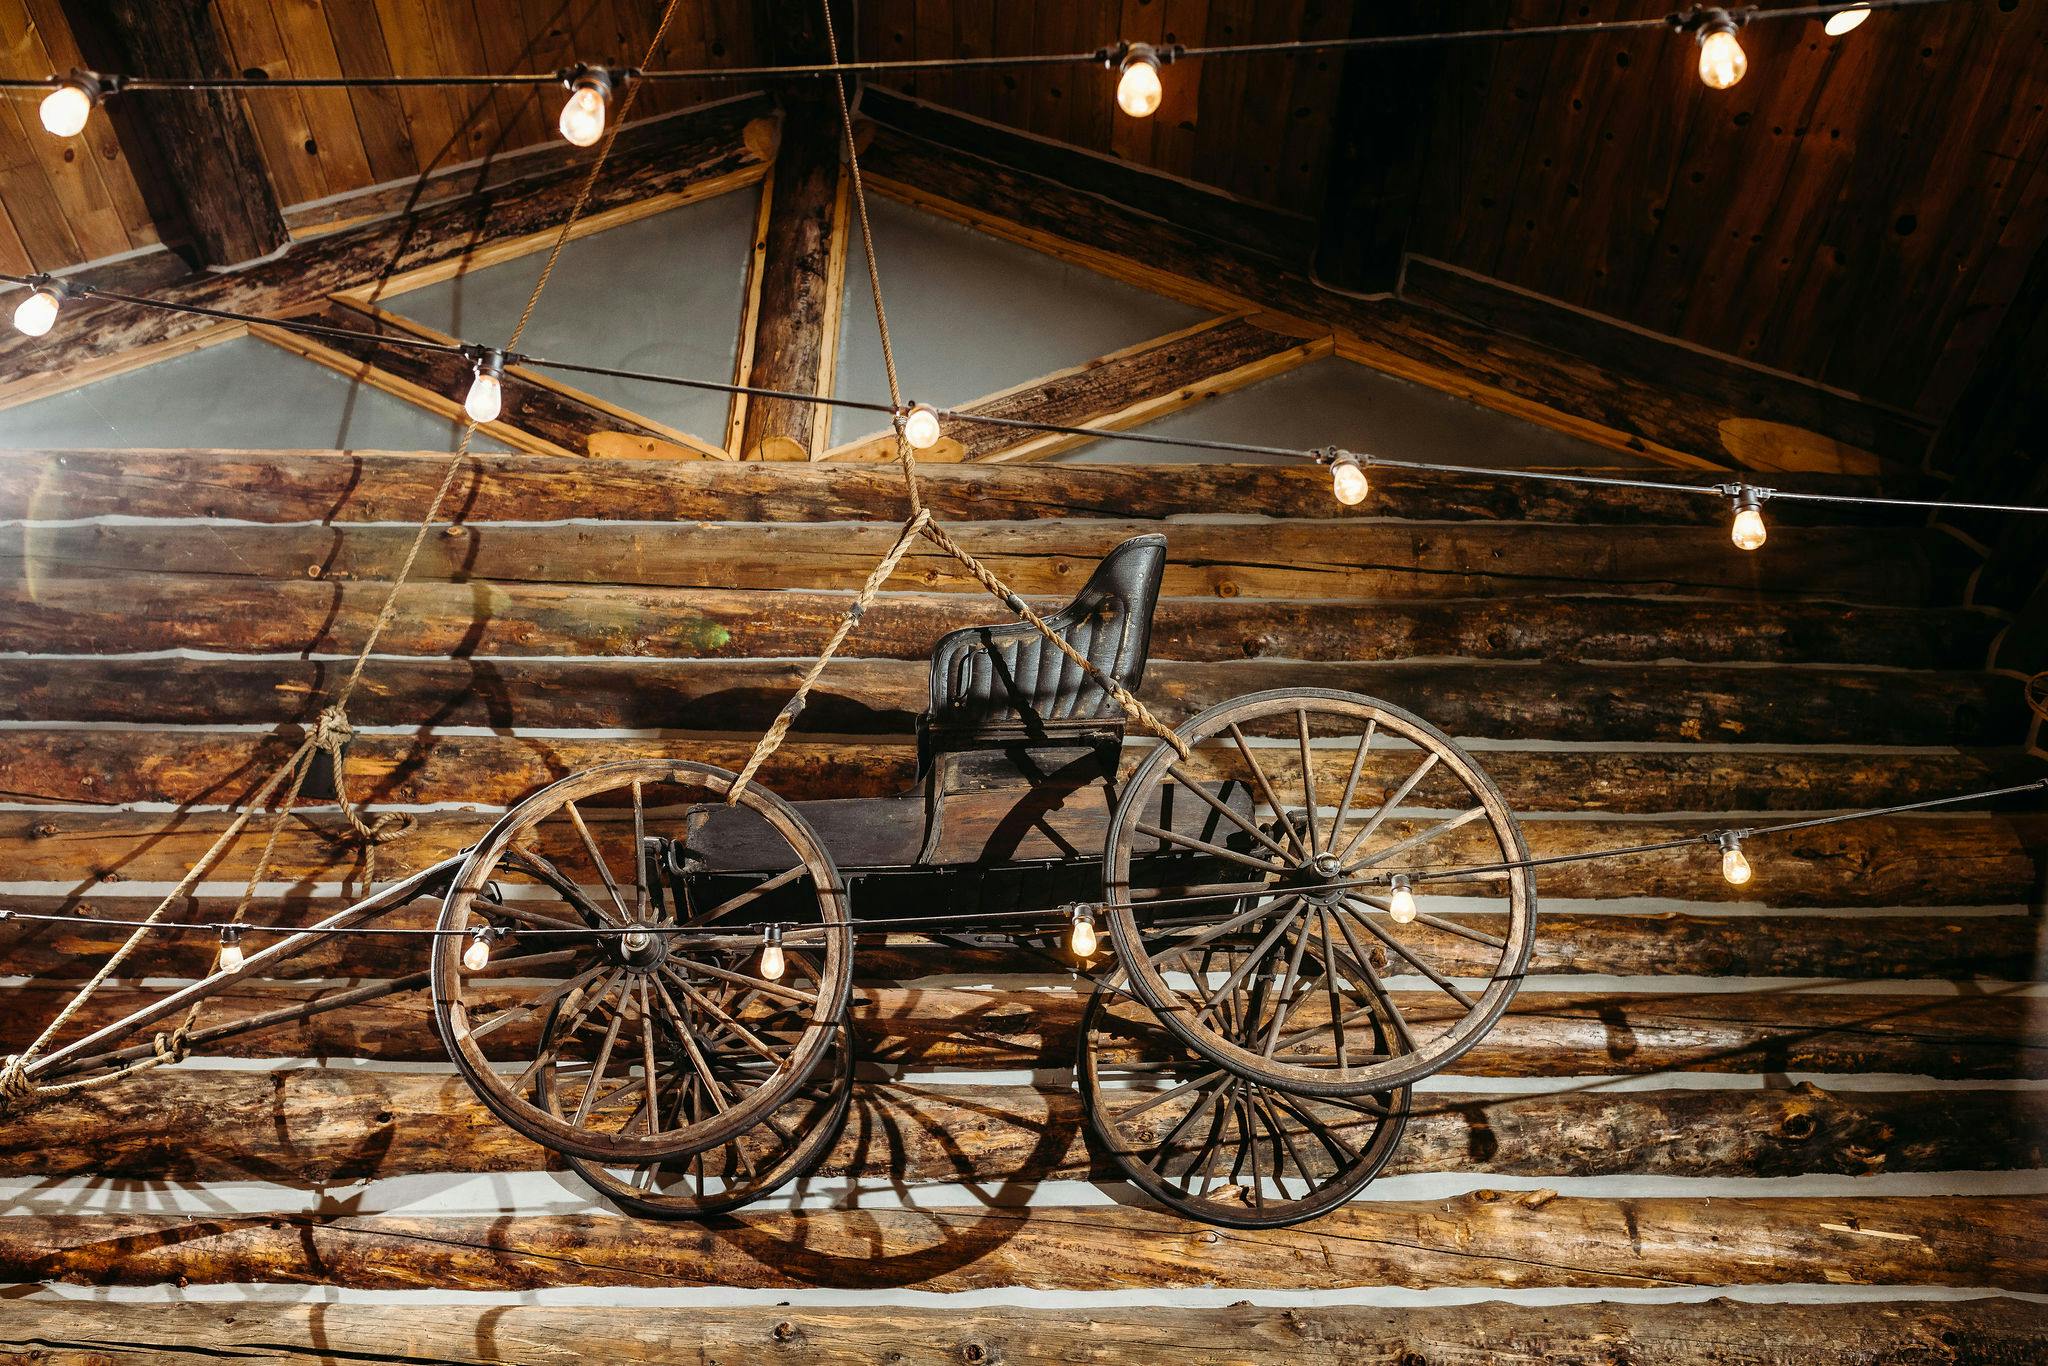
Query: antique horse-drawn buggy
column 647, row 965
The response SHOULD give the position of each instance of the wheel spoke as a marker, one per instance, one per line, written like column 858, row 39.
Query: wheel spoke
column 540, row 867
column 1400, row 795
column 652, row 1105
column 1252, row 959
column 1203, row 936
column 709, row 1007
column 689, row 1040
column 546, row 998
column 583, row 1012
column 1289, row 995
column 727, row 907
column 1450, row 988
column 1437, row 922
column 1266, row 790
column 640, row 914
column 766, row 988
column 604, row 1058
column 603, row 870
column 1222, row 808
column 1308, row 782
column 1437, row 831
column 1216, row 850
column 1351, row 782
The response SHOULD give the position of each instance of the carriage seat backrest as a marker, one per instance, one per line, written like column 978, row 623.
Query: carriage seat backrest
column 993, row 679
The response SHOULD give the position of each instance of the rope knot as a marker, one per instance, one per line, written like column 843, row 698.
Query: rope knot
column 169, row 1048
column 332, row 730
column 18, row 1090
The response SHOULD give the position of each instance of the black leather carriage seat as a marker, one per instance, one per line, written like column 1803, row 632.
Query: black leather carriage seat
column 1006, row 683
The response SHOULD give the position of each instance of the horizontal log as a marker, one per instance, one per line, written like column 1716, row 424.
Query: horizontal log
column 315, row 1126
column 1936, row 860
column 1724, row 704
column 1923, row 947
column 1544, row 1034
column 302, row 486
column 1288, row 560
column 186, row 766
column 1476, row 1240
column 1986, row 1332
column 138, row 613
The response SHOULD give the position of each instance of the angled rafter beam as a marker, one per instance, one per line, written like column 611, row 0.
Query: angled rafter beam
column 703, row 152
column 1120, row 390
column 1541, row 384
column 201, row 169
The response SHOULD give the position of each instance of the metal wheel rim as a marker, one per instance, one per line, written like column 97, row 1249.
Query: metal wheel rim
column 1177, row 1012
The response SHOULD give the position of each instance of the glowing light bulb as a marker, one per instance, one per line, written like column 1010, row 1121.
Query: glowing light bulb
column 1748, row 530
column 1846, row 20
column 921, row 426
column 773, row 962
column 36, row 314
column 232, row 958
column 486, row 397
column 582, row 121
column 477, row 955
column 1401, row 905
column 1139, row 90
column 1082, row 939
column 66, row 109
column 1347, row 480
column 1722, row 62
column 1734, row 863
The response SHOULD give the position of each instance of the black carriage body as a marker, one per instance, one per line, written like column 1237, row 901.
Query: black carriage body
column 1018, row 757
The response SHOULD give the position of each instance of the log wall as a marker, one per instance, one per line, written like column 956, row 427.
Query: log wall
column 1836, row 1082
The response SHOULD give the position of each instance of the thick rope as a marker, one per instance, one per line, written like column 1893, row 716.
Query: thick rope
column 920, row 521
column 331, row 732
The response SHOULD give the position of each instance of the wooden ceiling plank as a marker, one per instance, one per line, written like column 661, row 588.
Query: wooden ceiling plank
column 79, row 199
column 53, row 31
column 307, row 45
column 281, row 118
column 355, row 33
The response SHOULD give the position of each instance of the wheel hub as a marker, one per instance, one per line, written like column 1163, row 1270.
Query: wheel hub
column 644, row 949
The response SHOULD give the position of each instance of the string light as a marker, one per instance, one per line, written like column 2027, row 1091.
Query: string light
column 232, row 958
column 921, row 426
column 476, row 956
column 1082, row 939
column 1347, row 476
column 1734, row 863
column 486, row 398
column 1847, row 20
column 1722, row 61
column 773, row 962
column 1401, row 904
column 1748, row 530
column 590, row 95
column 36, row 314
column 1139, row 89
column 65, row 109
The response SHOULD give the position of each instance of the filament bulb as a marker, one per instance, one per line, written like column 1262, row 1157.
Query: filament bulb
column 1722, row 62
column 1748, row 530
column 1082, row 939
column 37, row 314
column 921, row 426
column 1846, row 20
column 477, row 955
column 1347, row 479
column 232, row 958
column 1401, row 905
column 773, row 962
column 1734, row 863
column 1139, row 89
column 582, row 121
column 486, row 397
column 65, row 109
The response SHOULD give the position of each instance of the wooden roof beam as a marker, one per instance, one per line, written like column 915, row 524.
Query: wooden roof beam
column 195, row 153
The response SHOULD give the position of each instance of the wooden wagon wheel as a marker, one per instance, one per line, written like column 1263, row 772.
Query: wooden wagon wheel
column 786, row 1145
column 1259, row 841
column 599, row 1052
column 1216, row 1146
